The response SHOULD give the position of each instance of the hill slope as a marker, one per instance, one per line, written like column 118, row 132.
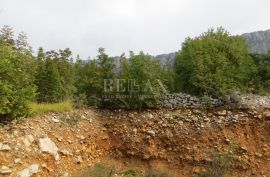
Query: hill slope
column 259, row 41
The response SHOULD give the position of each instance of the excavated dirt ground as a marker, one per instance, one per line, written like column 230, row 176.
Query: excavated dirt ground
column 178, row 141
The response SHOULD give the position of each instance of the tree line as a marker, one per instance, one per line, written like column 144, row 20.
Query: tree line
column 212, row 64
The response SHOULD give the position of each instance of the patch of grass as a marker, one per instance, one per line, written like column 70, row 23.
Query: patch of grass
column 131, row 173
column 42, row 108
column 152, row 173
column 221, row 165
column 100, row 170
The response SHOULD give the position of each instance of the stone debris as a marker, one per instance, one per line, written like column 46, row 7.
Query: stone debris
column 5, row 170
column 16, row 161
column 55, row 120
column 29, row 171
column 4, row 147
column 235, row 100
column 48, row 146
column 28, row 140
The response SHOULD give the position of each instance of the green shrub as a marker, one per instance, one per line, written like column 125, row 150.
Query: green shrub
column 80, row 101
column 131, row 173
column 98, row 170
column 221, row 165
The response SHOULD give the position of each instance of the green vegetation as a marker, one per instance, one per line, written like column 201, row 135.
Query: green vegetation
column 222, row 163
column 213, row 64
column 41, row 108
column 100, row 170
column 147, row 75
column 17, row 72
column 262, row 77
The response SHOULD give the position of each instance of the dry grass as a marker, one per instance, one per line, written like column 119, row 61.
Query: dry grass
column 42, row 108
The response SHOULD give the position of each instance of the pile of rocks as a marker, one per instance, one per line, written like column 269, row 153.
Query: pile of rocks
column 234, row 100
column 188, row 101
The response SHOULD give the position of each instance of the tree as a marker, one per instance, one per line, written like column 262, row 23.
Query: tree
column 22, row 45
column 7, row 35
column 106, row 64
column 41, row 56
column 49, row 83
column 16, row 81
column 143, row 80
column 55, row 79
column 214, row 63
column 88, row 81
column 262, row 77
column 106, row 70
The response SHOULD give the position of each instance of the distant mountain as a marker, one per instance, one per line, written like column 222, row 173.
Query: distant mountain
column 167, row 60
column 259, row 41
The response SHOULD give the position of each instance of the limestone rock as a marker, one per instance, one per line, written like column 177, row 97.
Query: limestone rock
column 28, row 140
column 5, row 170
column 29, row 171
column 4, row 147
column 48, row 146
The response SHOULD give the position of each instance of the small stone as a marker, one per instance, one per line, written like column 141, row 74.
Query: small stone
column 65, row 152
column 151, row 132
column 28, row 140
column 29, row 171
column 150, row 116
column 206, row 120
column 5, row 170
column 65, row 174
column 55, row 120
column 222, row 113
column 17, row 161
column 135, row 130
column 227, row 140
column 4, row 147
column 79, row 160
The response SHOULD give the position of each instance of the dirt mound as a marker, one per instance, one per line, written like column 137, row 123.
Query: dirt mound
column 180, row 141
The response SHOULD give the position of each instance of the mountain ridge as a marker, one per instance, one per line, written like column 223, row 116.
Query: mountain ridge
column 258, row 42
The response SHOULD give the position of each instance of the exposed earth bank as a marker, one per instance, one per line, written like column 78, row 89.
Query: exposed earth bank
column 178, row 141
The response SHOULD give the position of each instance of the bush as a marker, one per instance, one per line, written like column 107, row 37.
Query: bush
column 220, row 166
column 80, row 101
column 100, row 170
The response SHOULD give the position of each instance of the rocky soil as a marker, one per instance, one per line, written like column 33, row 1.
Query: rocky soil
column 182, row 141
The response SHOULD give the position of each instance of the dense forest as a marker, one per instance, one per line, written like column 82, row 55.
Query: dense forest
column 212, row 64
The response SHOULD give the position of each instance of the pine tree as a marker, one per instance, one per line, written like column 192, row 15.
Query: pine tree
column 49, row 83
column 7, row 35
column 22, row 45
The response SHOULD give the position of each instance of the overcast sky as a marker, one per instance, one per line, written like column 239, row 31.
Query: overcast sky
column 154, row 26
